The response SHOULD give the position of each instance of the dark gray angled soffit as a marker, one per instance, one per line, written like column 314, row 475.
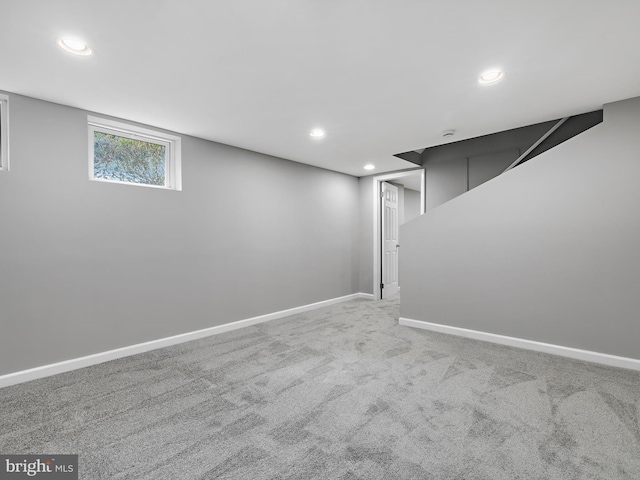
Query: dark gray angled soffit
column 413, row 157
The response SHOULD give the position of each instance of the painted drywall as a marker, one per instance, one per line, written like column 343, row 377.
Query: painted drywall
column 365, row 245
column 90, row 266
column 411, row 205
column 482, row 168
column 455, row 168
column 445, row 180
column 400, row 203
column 545, row 252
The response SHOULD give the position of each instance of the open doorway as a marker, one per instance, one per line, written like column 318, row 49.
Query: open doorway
column 406, row 181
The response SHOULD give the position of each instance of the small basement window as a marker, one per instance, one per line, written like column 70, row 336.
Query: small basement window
column 4, row 132
column 127, row 154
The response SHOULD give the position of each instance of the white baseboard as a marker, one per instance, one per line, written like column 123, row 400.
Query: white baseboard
column 586, row 355
column 81, row 362
column 368, row 296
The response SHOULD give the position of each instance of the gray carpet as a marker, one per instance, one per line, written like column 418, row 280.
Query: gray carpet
column 342, row 392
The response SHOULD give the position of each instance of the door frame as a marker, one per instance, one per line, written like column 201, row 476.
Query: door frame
column 377, row 224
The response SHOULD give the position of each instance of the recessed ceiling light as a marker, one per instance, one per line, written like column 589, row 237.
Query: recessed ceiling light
column 317, row 133
column 491, row 76
column 369, row 167
column 74, row 46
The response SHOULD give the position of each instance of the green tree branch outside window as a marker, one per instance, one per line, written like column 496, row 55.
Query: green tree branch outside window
column 128, row 160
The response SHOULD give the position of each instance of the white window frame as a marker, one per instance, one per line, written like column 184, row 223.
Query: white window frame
column 173, row 165
column 4, row 132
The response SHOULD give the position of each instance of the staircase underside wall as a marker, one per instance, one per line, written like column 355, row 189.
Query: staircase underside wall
column 549, row 251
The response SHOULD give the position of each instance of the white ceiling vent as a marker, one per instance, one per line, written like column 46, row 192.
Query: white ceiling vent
column 448, row 133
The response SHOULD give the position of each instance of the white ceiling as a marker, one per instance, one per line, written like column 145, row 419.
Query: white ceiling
column 381, row 77
column 412, row 182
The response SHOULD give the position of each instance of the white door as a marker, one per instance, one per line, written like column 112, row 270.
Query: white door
column 389, row 242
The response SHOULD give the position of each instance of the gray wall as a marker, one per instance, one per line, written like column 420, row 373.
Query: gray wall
column 88, row 266
column 411, row 205
column 365, row 247
column 455, row 168
column 445, row 180
column 400, row 204
column 546, row 252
